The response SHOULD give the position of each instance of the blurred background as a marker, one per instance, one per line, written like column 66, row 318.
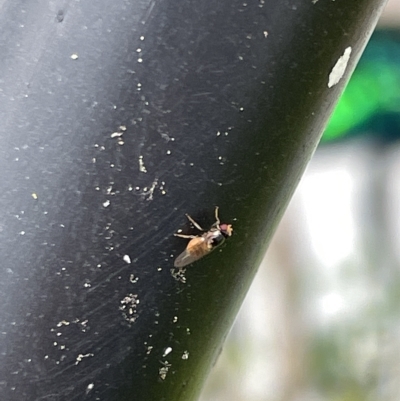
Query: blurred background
column 321, row 321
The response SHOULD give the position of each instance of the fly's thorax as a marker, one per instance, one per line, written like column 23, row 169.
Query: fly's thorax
column 214, row 237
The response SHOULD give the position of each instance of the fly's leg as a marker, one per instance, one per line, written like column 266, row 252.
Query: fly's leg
column 217, row 221
column 197, row 225
column 185, row 236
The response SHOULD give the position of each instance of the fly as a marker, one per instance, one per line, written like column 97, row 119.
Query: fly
column 201, row 245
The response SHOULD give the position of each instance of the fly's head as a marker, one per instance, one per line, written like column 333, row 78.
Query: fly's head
column 226, row 230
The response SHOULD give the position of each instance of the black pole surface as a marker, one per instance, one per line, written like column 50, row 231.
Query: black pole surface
column 117, row 118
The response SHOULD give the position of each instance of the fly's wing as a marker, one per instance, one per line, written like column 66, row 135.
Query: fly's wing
column 195, row 250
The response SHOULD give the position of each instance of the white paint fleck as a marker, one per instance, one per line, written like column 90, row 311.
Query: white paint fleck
column 83, row 323
column 89, row 388
column 128, row 307
column 167, row 351
column 164, row 369
column 34, row 195
column 185, row 355
column 106, row 203
column 265, row 34
column 74, row 56
column 116, row 134
column 141, row 38
column 142, row 167
column 150, row 191
column 339, row 69
column 179, row 274
column 81, row 356
column 139, row 60
column 127, row 259
column 168, row 152
column 63, row 323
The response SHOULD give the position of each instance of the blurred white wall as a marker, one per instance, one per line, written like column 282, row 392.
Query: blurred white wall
column 321, row 320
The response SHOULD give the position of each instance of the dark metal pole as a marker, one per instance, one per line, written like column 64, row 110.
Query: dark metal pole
column 117, row 118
